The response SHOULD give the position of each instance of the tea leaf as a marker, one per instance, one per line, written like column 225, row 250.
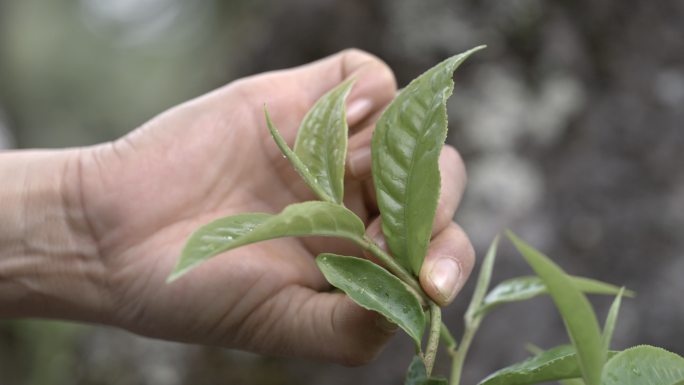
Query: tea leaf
column 611, row 319
column 322, row 140
column 416, row 375
column 571, row 381
column 301, row 219
column 527, row 287
column 374, row 288
column 472, row 320
column 644, row 365
column 482, row 283
column 578, row 315
column 299, row 166
column 436, row 381
column 406, row 144
column 555, row 364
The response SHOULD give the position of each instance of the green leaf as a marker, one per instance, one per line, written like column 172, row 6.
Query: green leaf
column 578, row 315
column 436, row 381
column 555, row 364
column 644, row 365
column 472, row 320
column 301, row 219
column 533, row 349
column 322, row 140
column 611, row 319
column 527, row 287
column 417, row 375
column 299, row 166
column 482, row 284
column 406, row 144
column 374, row 288
column 572, row 381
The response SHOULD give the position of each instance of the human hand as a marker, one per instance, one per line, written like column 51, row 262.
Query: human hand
column 144, row 194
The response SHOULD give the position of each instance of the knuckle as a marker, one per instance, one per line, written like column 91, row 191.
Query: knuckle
column 358, row 56
column 355, row 57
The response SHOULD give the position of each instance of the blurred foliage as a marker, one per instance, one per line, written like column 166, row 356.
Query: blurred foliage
column 79, row 72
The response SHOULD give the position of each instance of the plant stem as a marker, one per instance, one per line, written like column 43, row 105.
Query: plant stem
column 458, row 356
column 411, row 282
column 394, row 267
column 448, row 339
column 433, row 337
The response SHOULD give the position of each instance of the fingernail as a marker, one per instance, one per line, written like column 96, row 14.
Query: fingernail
column 357, row 110
column 445, row 275
column 360, row 162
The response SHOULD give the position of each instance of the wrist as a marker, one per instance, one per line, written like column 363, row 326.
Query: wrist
column 49, row 265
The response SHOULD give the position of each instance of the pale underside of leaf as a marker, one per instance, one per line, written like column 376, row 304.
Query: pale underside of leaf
column 298, row 165
column 559, row 363
column 374, row 288
column 301, row 219
column 405, row 150
column 644, row 365
column 321, row 142
column 578, row 315
column 528, row 287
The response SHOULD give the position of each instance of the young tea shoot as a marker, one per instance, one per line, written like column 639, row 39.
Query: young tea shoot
column 405, row 148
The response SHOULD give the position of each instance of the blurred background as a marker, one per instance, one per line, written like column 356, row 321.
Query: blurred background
column 571, row 124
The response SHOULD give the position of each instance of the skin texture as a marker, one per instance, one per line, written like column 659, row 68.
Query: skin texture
column 120, row 212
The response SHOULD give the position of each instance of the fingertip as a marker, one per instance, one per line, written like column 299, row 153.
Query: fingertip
column 359, row 159
column 441, row 279
column 375, row 85
column 358, row 109
column 359, row 163
column 374, row 232
column 447, row 265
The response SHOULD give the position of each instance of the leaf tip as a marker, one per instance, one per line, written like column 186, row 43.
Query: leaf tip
column 628, row 293
column 471, row 51
column 495, row 241
column 175, row 274
column 513, row 237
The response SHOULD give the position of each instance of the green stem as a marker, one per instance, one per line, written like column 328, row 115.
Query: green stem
column 448, row 339
column 433, row 337
column 413, row 285
column 394, row 267
column 458, row 356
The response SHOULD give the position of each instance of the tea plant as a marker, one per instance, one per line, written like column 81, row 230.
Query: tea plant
column 406, row 144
